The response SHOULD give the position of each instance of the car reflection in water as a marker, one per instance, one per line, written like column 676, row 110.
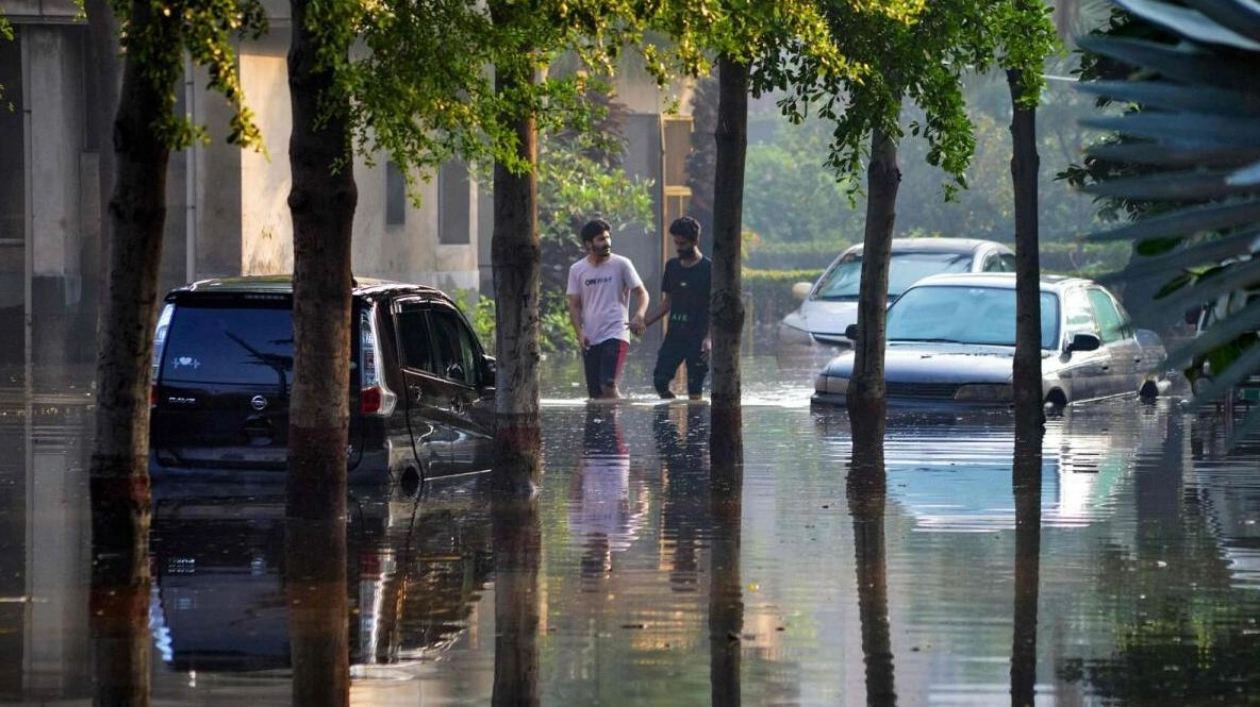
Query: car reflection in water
column 952, row 473
column 417, row 569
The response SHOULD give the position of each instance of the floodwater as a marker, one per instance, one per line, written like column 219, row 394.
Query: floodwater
column 633, row 580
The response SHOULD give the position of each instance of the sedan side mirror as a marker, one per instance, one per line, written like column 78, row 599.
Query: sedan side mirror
column 801, row 290
column 851, row 332
column 1083, row 342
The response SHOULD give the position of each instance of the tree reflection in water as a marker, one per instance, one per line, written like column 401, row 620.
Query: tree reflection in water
column 119, row 603
column 1026, row 481
column 315, row 588
column 726, row 603
column 867, row 487
column 517, row 599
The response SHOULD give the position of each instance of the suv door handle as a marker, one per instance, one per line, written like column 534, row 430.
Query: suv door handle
column 415, row 391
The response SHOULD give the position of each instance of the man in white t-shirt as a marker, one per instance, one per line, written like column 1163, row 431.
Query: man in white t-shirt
column 600, row 286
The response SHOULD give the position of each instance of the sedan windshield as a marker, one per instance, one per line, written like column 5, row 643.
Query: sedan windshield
column 904, row 269
column 966, row 315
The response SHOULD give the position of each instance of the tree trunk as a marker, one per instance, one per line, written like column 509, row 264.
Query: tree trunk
column 866, row 399
column 867, row 489
column 1026, row 477
column 516, row 260
column 731, row 138
column 322, row 204
column 1029, row 410
column 119, row 474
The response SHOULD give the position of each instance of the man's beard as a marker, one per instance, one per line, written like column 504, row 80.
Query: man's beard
column 686, row 253
column 603, row 252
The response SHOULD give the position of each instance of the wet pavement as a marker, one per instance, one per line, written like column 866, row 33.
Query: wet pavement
column 633, row 580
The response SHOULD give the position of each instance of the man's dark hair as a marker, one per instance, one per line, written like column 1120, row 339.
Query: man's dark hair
column 594, row 228
column 686, row 227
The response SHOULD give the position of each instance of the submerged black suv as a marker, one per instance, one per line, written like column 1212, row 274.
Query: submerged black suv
column 421, row 386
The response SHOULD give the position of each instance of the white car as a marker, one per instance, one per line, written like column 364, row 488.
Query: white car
column 830, row 305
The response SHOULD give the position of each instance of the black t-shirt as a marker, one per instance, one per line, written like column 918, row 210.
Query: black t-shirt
column 688, row 289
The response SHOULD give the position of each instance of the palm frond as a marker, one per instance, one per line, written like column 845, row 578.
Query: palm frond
column 1185, row 64
column 1187, row 22
column 1176, row 97
column 1242, row 16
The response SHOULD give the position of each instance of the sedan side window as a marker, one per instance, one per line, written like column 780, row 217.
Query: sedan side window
column 1078, row 315
column 998, row 262
column 454, row 348
column 1112, row 325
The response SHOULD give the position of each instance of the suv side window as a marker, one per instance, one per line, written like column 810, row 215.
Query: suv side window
column 413, row 336
column 453, row 346
column 1111, row 323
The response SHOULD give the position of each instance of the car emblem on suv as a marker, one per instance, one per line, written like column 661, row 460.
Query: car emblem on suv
column 258, row 402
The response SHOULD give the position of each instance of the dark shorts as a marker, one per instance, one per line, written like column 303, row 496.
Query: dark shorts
column 603, row 365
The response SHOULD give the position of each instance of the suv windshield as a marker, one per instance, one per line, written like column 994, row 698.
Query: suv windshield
column 904, row 269
column 247, row 345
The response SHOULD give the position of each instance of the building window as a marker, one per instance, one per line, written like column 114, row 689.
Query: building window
column 395, row 195
column 454, row 204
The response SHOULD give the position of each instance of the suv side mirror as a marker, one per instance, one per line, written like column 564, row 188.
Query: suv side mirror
column 851, row 332
column 801, row 290
column 1083, row 342
column 489, row 371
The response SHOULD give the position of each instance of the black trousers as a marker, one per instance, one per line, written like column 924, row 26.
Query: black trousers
column 675, row 350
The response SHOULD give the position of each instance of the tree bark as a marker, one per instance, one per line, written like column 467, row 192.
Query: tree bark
column 322, row 203
column 727, row 304
column 866, row 399
column 516, row 261
column 119, row 474
column 1029, row 410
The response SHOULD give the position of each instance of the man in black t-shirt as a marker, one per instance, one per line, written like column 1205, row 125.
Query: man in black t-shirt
column 685, row 298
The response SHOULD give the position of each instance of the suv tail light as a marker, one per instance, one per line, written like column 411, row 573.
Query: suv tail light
column 375, row 398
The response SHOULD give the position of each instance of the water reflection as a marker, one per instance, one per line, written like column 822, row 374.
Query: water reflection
column 604, row 514
column 726, row 601
column 867, row 488
column 413, row 572
column 518, row 611
column 1026, row 477
column 761, row 583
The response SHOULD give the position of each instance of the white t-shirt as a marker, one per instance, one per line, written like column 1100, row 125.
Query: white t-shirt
column 604, row 289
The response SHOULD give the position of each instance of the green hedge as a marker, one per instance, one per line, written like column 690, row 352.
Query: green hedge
column 768, row 293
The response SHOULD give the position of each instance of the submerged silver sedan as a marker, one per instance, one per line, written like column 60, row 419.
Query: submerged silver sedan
column 951, row 342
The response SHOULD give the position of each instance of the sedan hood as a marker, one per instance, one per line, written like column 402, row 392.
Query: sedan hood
column 938, row 362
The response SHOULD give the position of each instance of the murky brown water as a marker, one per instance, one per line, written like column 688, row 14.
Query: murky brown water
column 649, row 589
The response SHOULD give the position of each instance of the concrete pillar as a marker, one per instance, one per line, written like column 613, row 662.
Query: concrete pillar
column 54, row 95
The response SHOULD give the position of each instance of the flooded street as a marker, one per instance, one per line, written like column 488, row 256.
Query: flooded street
column 633, row 579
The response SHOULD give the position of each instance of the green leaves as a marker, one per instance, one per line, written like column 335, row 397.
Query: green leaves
column 156, row 33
